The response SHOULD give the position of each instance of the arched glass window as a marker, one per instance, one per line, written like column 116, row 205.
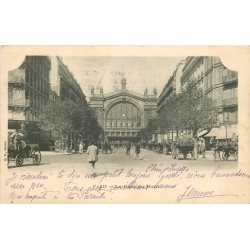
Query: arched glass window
column 124, row 115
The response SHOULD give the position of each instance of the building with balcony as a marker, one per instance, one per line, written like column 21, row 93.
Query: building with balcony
column 173, row 86
column 221, row 84
column 63, row 82
column 193, row 72
column 215, row 81
column 28, row 92
column 123, row 113
column 28, row 88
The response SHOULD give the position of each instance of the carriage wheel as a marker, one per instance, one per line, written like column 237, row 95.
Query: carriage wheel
column 9, row 157
column 19, row 160
column 36, row 157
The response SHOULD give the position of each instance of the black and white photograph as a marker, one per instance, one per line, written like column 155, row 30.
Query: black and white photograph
column 112, row 129
column 124, row 125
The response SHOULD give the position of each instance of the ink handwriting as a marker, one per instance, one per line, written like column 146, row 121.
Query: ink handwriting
column 195, row 193
column 76, row 185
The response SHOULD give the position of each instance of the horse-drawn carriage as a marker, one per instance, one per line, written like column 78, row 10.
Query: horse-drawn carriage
column 151, row 146
column 231, row 151
column 180, row 149
column 160, row 147
column 183, row 146
column 224, row 150
column 163, row 148
column 28, row 151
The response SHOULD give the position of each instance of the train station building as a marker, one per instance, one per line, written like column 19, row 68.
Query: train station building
column 123, row 113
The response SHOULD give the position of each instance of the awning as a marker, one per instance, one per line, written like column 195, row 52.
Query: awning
column 230, row 132
column 213, row 133
column 202, row 133
column 223, row 132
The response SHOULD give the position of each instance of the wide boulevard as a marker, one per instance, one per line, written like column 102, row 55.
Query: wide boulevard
column 118, row 159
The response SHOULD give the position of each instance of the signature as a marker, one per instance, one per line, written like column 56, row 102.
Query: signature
column 193, row 193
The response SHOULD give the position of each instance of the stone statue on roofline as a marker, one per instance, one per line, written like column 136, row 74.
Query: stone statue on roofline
column 123, row 82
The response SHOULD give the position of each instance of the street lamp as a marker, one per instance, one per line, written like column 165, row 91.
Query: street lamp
column 226, row 120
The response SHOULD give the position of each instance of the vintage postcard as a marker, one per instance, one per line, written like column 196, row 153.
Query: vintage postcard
column 125, row 124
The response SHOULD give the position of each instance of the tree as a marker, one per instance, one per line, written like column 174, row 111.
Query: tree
column 55, row 116
column 91, row 127
column 154, row 125
column 195, row 110
column 189, row 110
column 72, row 120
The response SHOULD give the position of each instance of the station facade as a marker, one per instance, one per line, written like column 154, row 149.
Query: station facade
column 123, row 113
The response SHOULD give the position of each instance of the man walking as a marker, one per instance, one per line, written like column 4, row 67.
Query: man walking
column 128, row 147
column 137, row 151
column 92, row 152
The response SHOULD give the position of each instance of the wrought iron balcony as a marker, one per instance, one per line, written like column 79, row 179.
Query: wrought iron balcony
column 230, row 77
column 16, row 76
column 19, row 103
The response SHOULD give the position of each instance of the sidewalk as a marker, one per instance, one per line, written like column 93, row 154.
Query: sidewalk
column 55, row 153
column 208, row 154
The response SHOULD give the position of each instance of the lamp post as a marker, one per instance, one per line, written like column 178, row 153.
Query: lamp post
column 226, row 120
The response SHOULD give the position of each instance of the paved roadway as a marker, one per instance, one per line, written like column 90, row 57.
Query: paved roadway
column 119, row 159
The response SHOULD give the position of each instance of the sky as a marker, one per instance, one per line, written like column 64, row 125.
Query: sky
column 107, row 72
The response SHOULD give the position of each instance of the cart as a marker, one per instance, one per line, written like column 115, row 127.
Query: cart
column 30, row 151
column 163, row 148
column 182, row 150
column 223, row 152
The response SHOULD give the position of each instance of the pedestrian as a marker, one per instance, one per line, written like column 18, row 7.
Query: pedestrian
column 198, row 147
column 218, row 149
column 203, row 147
column 92, row 152
column 164, row 150
column 195, row 142
column 128, row 147
column 81, row 145
column 227, row 149
column 137, row 151
column 212, row 142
